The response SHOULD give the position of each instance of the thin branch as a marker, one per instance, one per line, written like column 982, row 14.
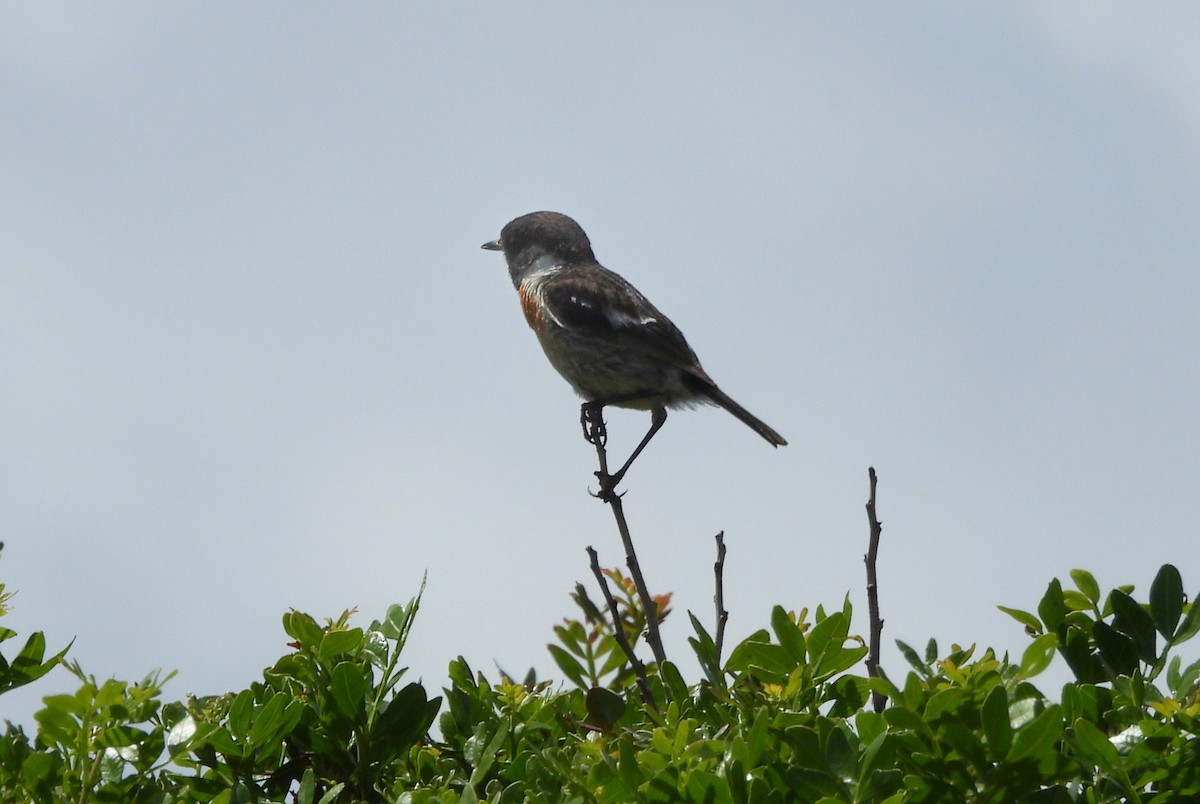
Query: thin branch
column 719, row 597
column 596, row 435
column 619, row 630
column 878, row 699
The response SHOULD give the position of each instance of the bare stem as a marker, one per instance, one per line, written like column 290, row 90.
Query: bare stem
column 619, row 629
column 719, row 597
column 594, row 429
column 878, row 699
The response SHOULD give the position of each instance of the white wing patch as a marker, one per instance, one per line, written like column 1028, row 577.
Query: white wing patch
column 619, row 318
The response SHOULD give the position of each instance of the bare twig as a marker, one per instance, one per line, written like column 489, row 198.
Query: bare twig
column 594, row 430
column 719, row 597
column 878, row 699
column 639, row 669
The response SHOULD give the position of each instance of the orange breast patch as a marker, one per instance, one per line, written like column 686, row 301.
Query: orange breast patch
column 531, row 307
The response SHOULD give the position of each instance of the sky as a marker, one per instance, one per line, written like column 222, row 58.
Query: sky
column 253, row 358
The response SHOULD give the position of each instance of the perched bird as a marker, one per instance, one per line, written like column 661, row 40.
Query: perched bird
column 604, row 337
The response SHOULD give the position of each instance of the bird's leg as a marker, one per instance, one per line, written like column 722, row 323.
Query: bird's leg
column 591, row 419
column 658, row 417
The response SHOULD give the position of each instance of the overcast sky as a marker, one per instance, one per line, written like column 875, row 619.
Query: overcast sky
column 252, row 357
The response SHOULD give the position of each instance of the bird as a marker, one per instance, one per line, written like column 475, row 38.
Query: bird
column 601, row 334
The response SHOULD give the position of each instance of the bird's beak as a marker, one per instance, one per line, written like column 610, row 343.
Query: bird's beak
column 492, row 245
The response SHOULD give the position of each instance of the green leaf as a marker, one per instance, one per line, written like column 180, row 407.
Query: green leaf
column 340, row 643
column 376, row 649
column 627, row 764
column 913, row 659
column 307, row 790
column 1077, row 649
column 902, row 718
column 1039, row 736
column 570, row 666
column 573, row 637
column 1132, row 619
column 706, row 651
column 274, row 720
column 1096, row 747
column 398, row 620
column 947, row 700
column 29, row 665
column 485, row 755
column 806, row 746
column 1038, row 655
column 959, row 655
column 997, row 728
column 1116, row 649
column 964, row 741
column 1086, row 701
column 32, row 653
column 1166, row 600
column 332, row 794
column 119, row 736
column 1052, row 609
column 758, row 657
column 1077, row 601
column 869, row 725
column 840, row 756
column 468, row 795
column 702, row 636
column 221, row 740
column 349, row 689
column 673, row 681
column 1086, row 582
column 881, row 782
column 790, row 637
column 616, row 659
column 837, row 658
column 241, row 713
column 914, row 692
column 1031, row 623
column 826, row 635
column 37, row 769
column 756, row 739
column 1181, row 681
column 878, row 755
column 849, row 694
column 56, row 723
column 302, row 628
column 1190, row 624
column 405, row 719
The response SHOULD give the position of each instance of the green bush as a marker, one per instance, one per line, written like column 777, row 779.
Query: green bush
column 786, row 717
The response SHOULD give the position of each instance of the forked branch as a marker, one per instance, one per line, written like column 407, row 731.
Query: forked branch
column 593, row 423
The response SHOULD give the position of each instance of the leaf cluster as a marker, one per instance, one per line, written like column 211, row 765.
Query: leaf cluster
column 785, row 717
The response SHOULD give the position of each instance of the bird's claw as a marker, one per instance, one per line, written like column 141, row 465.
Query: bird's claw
column 608, row 486
column 591, row 419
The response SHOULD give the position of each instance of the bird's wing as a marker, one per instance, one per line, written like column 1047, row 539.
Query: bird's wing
column 597, row 302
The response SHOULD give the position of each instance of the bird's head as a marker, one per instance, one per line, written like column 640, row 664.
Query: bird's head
column 541, row 241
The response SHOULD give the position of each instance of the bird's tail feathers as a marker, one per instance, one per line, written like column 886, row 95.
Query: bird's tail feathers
column 749, row 419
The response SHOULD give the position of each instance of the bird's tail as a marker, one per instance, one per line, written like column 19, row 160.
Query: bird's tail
column 749, row 419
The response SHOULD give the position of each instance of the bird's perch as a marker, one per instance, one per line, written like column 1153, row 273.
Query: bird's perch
column 593, row 417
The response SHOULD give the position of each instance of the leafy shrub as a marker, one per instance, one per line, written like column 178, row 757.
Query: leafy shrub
column 786, row 717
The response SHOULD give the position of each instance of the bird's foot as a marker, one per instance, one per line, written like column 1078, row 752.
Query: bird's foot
column 608, row 486
column 591, row 419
